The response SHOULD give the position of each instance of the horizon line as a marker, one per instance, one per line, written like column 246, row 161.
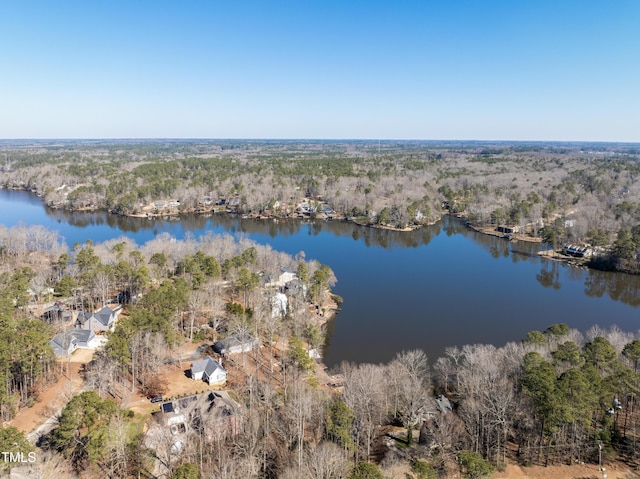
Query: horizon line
column 309, row 139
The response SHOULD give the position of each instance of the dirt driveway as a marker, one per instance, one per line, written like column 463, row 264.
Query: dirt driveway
column 51, row 400
column 586, row 471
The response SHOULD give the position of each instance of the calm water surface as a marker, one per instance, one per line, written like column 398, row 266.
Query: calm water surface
column 436, row 287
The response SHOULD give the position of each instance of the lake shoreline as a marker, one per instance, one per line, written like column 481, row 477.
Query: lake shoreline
column 178, row 213
column 173, row 213
column 401, row 289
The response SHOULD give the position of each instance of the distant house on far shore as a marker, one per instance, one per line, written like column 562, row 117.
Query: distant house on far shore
column 508, row 229
column 583, row 251
column 163, row 205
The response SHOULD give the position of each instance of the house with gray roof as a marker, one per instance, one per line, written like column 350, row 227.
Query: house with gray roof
column 70, row 340
column 209, row 370
column 64, row 343
column 236, row 343
column 103, row 320
column 443, row 404
column 85, row 337
column 213, row 413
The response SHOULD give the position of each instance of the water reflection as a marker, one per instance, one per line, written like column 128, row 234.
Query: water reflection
column 618, row 287
column 549, row 276
column 267, row 227
column 439, row 286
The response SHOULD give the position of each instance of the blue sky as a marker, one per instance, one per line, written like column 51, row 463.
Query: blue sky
column 481, row 69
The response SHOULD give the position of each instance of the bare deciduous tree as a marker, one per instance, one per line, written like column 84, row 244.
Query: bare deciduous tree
column 410, row 380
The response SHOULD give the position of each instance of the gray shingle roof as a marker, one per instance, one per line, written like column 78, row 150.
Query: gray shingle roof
column 235, row 342
column 104, row 316
column 83, row 335
column 199, row 366
column 207, row 365
column 212, row 366
column 64, row 339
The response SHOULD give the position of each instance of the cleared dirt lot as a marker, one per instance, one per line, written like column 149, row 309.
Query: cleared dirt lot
column 616, row 471
column 52, row 399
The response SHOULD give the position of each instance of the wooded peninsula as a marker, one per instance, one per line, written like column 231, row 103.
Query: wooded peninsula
column 198, row 358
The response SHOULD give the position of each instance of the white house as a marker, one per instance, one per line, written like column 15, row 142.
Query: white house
column 86, row 338
column 209, row 370
column 70, row 340
column 64, row 343
column 279, row 303
column 284, row 278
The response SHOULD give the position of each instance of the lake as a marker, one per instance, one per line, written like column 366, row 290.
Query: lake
column 442, row 285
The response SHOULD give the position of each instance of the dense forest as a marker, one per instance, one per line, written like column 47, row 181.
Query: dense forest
column 557, row 396
column 560, row 192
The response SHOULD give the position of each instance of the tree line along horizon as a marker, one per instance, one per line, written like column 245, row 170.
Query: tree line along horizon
column 551, row 398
